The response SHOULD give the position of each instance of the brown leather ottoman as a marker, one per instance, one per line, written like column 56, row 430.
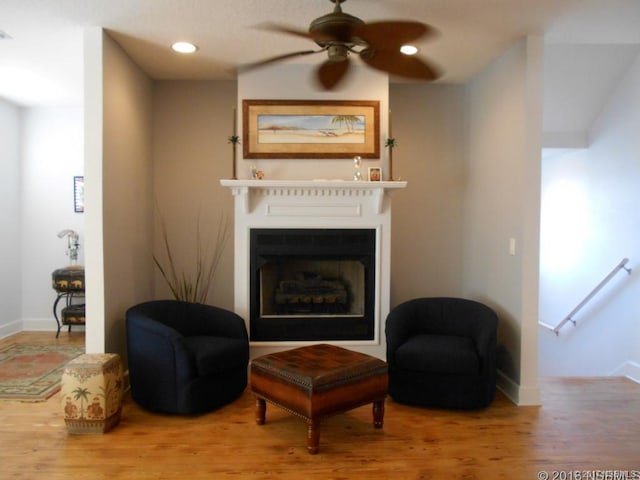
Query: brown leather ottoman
column 317, row 381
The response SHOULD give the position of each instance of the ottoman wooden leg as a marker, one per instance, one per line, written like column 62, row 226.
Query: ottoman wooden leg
column 378, row 413
column 261, row 410
column 313, row 436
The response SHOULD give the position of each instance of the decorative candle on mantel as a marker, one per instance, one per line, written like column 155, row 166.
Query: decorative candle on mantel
column 234, row 140
column 390, row 144
column 235, row 127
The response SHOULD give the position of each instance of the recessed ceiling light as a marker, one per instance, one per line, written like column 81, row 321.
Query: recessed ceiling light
column 409, row 49
column 184, row 47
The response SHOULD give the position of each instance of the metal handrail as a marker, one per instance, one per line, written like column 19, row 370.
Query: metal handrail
column 569, row 317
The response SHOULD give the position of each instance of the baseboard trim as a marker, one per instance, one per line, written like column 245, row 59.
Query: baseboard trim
column 519, row 395
column 39, row 325
column 629, row 369
column 10, row 329
column 46, row 325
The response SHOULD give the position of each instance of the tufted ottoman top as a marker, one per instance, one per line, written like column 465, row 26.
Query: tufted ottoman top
column 319, row 367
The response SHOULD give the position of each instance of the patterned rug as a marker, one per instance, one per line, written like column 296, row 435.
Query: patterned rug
column 33, row 372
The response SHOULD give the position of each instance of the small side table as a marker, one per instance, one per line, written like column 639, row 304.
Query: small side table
column 68, row 282
column 91, row 393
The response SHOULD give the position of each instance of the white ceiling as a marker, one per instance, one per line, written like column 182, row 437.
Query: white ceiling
column 42, row 63
column 579, row 79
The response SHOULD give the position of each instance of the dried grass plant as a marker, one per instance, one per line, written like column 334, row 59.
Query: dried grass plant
column 193, row 286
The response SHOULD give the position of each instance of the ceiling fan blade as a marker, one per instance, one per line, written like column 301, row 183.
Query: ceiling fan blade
column 315, row 36
column 277, row 58
column 331, row 72
column 395, row 63
column 388, row 35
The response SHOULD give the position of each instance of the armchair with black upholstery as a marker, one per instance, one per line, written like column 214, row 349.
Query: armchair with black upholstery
column 442, row 353
column 185, row 358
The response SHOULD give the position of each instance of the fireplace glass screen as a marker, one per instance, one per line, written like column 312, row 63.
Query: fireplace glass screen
column 312, row 284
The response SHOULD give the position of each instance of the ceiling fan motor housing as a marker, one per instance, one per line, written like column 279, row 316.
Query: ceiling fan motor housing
column 336, row 27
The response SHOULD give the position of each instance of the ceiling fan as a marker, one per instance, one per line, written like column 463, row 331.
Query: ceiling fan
column 376, row 43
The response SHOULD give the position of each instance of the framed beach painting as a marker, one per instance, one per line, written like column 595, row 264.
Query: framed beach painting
column 310, row 129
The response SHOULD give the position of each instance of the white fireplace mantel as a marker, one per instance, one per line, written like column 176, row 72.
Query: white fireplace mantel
column 314, row 204
column 311, row 188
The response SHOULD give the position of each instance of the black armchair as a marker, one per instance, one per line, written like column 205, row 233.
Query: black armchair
column 185, row 358
column 442, row 353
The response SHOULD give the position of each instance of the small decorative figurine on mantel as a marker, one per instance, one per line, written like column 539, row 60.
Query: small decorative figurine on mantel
column 256, row 174
column 357, row 162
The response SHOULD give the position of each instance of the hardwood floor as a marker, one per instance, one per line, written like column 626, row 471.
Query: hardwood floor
column 583, row 425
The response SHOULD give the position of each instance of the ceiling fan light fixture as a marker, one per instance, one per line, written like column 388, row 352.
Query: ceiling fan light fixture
column 338, row 53
column 184, row 47
column 409, row 49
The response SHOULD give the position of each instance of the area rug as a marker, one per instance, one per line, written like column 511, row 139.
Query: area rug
column 33, row 372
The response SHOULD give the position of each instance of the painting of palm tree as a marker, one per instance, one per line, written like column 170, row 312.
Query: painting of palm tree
column 348, row 120
column 310, row 128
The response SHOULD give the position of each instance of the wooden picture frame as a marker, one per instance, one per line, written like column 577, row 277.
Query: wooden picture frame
column 310, row 129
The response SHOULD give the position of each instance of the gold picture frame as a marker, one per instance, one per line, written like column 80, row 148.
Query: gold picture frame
column 375, row 174
column 310, row 129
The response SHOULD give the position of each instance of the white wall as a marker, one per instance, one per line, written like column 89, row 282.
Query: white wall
column 42, row 152
column 52, row 154
column 10, row 214
column 502, row 203
column 93, row 202
column 590, row 221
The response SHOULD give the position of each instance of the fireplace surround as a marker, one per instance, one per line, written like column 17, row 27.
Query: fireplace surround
column 348, row 223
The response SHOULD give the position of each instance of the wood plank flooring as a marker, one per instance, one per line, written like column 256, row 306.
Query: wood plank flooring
column 583, row 425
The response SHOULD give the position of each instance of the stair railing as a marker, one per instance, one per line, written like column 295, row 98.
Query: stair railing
column 605, row 280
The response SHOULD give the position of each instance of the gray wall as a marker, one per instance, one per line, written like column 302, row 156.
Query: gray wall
column 118, row 179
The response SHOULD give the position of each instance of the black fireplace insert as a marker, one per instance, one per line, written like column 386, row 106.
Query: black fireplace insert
column 312, row 284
